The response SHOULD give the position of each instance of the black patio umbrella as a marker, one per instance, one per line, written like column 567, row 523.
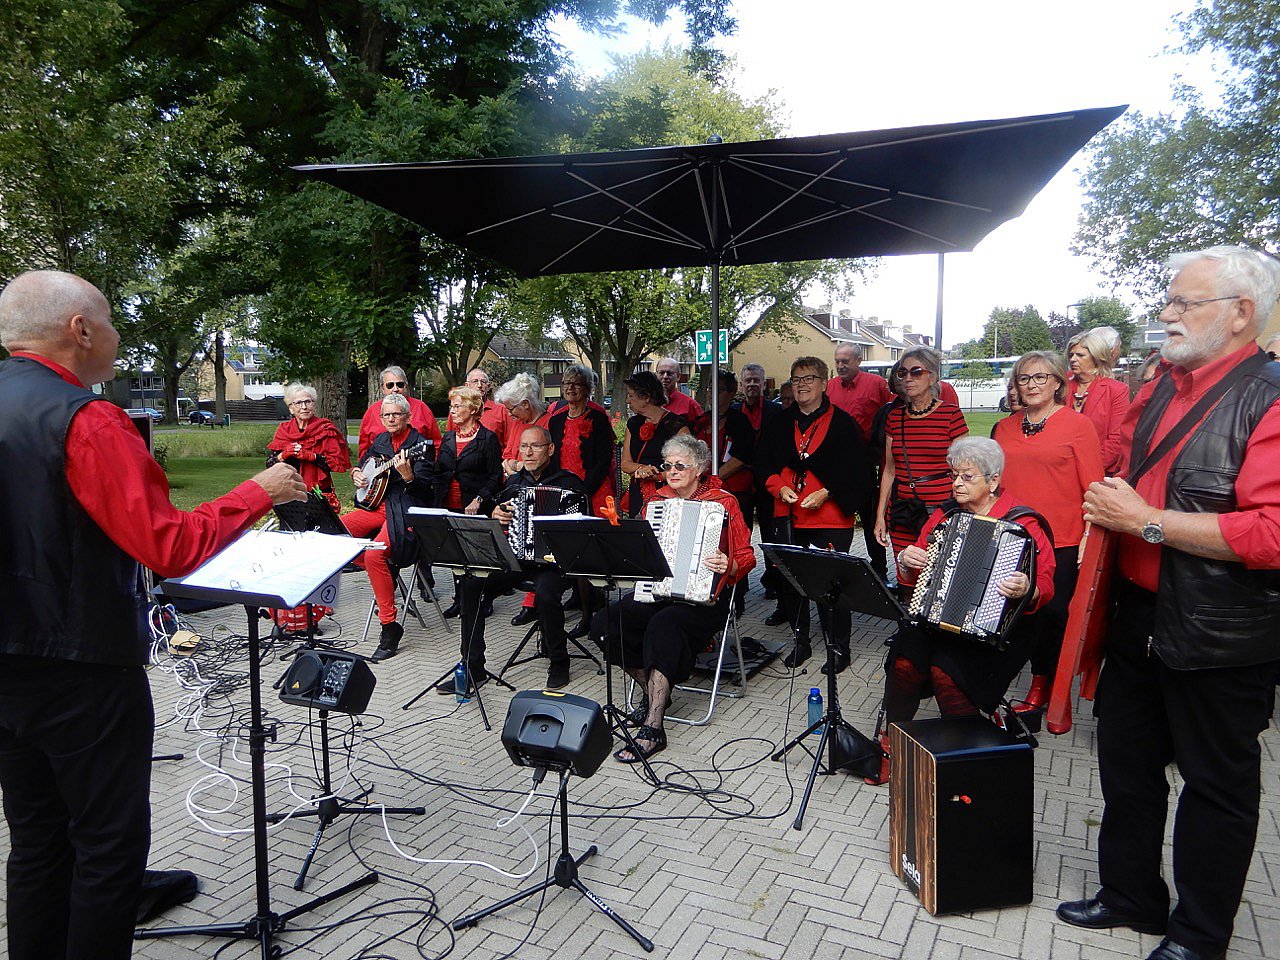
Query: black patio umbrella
column 927, row 189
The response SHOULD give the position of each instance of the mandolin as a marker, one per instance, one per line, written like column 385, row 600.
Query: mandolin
column 1086, row 632
column 377, row 471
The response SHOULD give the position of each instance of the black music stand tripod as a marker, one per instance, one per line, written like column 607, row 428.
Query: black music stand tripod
column 615, row 556
column 265, row 923
column 836, row 581
column 565, row 875
column 470, row 546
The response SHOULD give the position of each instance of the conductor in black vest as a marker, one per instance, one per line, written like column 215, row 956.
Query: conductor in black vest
column 87, row 507
column 1192, row 654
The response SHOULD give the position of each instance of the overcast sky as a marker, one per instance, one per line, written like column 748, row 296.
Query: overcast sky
column 842, row 65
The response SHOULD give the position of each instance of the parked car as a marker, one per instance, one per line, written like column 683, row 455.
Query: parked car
column 151, row 412
column 201, row 416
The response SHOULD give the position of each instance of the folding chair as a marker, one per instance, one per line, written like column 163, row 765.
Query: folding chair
column 407, row 605
column 714, row 691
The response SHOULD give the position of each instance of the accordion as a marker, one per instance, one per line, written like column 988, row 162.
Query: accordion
column 968, row 555
column 689, row 531
column 530, row 502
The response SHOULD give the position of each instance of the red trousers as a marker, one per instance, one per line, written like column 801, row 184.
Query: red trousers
column 372, row 525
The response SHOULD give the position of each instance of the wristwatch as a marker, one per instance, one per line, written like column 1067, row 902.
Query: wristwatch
column 1153, row 532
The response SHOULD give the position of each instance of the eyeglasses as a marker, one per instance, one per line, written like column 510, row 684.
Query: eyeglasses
column 568, row 384
column 1039, row 379
column 392, row 416
column 531, row 446
column 1181, row 305
column 805, row 380
column 912, row 372
column 302, row 403
column 395, row 384
column 966, row 478
column 668, row 467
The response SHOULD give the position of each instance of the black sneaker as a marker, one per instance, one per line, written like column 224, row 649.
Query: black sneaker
column 558, row 674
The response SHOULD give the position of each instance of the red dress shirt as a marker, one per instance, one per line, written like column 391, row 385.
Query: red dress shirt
column 861, row 397
column 683, row 405
column 1252, row 530
column 420, row 418
column 124, row 491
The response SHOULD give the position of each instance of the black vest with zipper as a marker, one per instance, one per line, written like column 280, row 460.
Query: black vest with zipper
column 66, row 591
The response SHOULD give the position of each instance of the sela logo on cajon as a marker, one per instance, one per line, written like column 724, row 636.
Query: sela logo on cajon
column 909, row 872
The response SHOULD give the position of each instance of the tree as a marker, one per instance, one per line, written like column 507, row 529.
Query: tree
column 1200, row 176
column 1008, row 332
column 650, row 99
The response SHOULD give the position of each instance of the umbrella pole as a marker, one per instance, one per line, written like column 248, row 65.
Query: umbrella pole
column 715, row 366
column 937, row 322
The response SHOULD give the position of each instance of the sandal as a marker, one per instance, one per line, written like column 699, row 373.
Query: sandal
column 640, row 714
column 655, row 735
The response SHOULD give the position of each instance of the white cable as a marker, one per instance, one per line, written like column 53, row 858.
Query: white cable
column 386, row 826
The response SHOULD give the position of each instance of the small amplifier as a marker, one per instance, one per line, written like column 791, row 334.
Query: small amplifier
column 558, row 731
column 328, row 681
column 960, row 813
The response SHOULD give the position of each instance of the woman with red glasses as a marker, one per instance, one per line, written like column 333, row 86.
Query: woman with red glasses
column 918, row 433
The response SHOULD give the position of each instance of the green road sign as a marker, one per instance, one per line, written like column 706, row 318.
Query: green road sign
column 703, row 341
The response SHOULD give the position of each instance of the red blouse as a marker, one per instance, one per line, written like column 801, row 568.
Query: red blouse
column 1105, row 404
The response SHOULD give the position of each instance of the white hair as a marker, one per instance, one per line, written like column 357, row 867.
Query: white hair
column 294, row 389
column 397, row 400
column 981, row 452
column 35, row 305
column 395, row 371
column 1241, row 273
column 518, row 389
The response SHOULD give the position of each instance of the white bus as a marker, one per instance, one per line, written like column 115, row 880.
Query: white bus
column 980, row 393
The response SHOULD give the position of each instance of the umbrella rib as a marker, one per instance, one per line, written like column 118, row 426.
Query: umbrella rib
column 633, row 232
column 802, row 224
column 745, row 161
column 594, row 191
column 608, row 192
column 796, row 191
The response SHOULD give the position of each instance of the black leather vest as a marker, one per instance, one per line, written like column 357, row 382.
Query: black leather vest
column 66, row 591
column 1213, row 613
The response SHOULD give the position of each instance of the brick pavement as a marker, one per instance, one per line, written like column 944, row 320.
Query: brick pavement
column 705, row 877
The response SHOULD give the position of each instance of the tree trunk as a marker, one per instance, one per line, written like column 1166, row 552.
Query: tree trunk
column 331, row 388
column 219, row 377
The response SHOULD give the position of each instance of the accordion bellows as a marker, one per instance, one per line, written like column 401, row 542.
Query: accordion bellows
column 689, row 531
column 968, row 555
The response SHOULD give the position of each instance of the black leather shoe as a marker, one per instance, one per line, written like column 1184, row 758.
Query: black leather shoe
column 526, row 615
column 580, row 631
column 1093, row 914
column 775, row 619
column 452, row 610
column 486, row 611
column 840, row 660
column 1168, row 950
column 798, row 655
column 478, row 679
column 389, row 642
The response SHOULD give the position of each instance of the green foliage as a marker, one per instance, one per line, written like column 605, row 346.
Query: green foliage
column 1109, row 312
column 970, row 374
column 1008, row 332
column 1161, row 184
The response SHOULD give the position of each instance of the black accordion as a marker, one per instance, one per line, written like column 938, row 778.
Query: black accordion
column 530, row 502
column 968, row 556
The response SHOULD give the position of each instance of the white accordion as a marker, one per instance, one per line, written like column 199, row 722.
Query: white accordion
column 689, row 531
column 532, row 502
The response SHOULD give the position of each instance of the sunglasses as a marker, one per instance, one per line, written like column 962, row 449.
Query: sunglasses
column 912, row 372
column 396, row 384
column 667, row 467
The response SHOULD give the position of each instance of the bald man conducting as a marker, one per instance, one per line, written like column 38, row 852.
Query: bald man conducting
column 87, row 509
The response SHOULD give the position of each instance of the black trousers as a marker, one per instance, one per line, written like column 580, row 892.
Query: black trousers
column 867, row 518
column 75, row 770
column 1208, row 723
column 838, row 623
column 666, row 636
column 1046, row 626
column 548, row 584
column 770, row 579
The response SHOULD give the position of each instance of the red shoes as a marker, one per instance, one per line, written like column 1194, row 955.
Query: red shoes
column 1037, row 697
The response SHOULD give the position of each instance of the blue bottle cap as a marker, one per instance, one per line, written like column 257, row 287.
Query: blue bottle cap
column 815, row 691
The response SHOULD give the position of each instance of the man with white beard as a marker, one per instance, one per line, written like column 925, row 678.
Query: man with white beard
column 1193, row 650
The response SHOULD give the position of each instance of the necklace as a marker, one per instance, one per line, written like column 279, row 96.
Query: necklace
column 922, row 412
column 467, row 435
column 1030, row 429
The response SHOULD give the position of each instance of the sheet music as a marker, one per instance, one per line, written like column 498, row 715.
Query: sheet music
column 291, row 566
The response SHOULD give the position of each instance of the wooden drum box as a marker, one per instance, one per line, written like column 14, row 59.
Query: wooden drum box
column 960, row 804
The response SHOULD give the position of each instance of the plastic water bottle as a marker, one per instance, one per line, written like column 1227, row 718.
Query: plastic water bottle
column 460, row 682
column 815, row 709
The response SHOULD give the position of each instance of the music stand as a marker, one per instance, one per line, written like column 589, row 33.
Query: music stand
column 614, row 556
column 470, row 546
column 836, row 581
column 275, row 570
